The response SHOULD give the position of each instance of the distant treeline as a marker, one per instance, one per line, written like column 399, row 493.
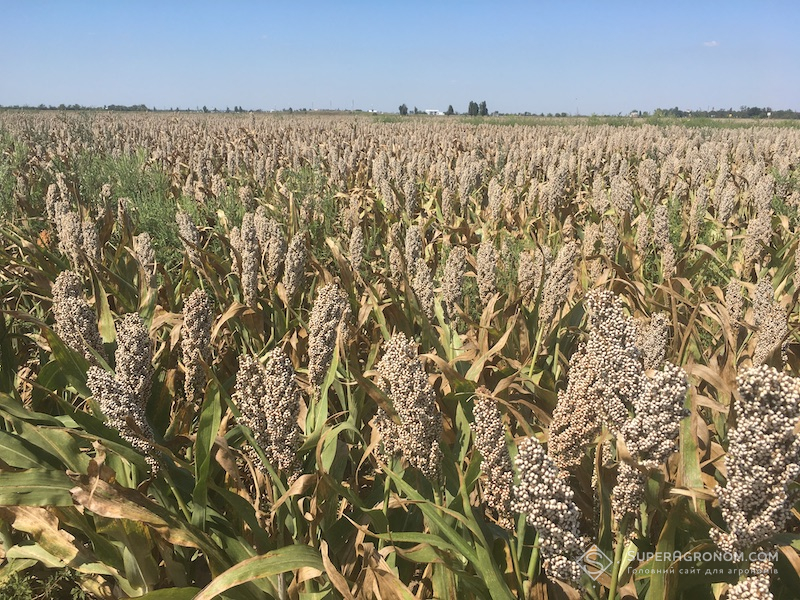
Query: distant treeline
column 115, row 107
column 744, row 112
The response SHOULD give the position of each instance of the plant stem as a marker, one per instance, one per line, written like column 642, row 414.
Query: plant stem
column 536, row 350
column 534, row 560
column 615, row 568
column 181, row 504
column 522, row 523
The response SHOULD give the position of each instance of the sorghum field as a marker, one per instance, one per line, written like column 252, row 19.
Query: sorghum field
column 262, row 356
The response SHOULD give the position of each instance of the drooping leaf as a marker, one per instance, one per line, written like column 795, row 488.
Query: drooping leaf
column 35, row 487
column 288, row 558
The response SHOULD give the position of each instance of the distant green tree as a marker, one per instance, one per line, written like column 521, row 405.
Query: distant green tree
column 205, row 108
column 472, row 111
column 416, row 110
column 403, row 110
column 450, row 110
column 482, row 110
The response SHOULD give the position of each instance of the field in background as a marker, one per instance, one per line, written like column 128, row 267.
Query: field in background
column 365, row 357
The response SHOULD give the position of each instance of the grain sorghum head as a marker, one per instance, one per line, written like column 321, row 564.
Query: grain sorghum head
column 726, row 203
column 54, row 204
column 449, row 210
column 627, row 494
column 282, row 408
column 644, row 235
column 70, row 236
column 668, row 261
column 559, row 280
column 621, row 195
column 356, row 248
column 763, row 459
column 490, row 442
column 758, row 236
column 91, row 242
column 486, row 271
column 661, row 227
column 134, row 357
column 198, row 316
column 271, row 242
column 495, row 193
column 650, row 436
column 145, row 254
column 756, row 585
column 329, row 319
column 735, row 304
column 770, row 320
column 76, row 325
column 575, row 423
column 653, row 339
column 599, row 199
column 410, row 193
column 251, row 260
column 413, row 250
column 613, row 356
column 294, row 272
column 190, row 236
column 403, row 379
column 68, row 284
column 697, row 212
column 269, row 400
column 395, row 266
column 422, row 285
column 120, row 406
column 610, row 238
column 762, row 195
column 544, row 497
column 246, row 198
column 75, row 321
column 453, row 280
column 250, row 390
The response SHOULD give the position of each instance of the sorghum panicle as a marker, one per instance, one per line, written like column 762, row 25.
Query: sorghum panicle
column 556, row 287
column 763, row 459
column 403, row 379
column 294, row 272
column 134, row 356
column 490, row 442
column 544, row 497
column 486, row 271
column 119, row 403
column 198, row 316
column 329, row 318
column 75, row 321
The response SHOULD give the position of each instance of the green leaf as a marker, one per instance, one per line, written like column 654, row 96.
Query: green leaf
column 96, row 430
column 7, row 362
column 210, row 417
column 73, row 364
column 35, row 487
column 18, row 452
column 55, row 441
column 479, row 556
column 661, row 580
column 690, row 474
column 13, row 407
column 289, row 558
column 105, row 320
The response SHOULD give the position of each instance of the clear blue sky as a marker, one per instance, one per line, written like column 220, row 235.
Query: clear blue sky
column 599, row 57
